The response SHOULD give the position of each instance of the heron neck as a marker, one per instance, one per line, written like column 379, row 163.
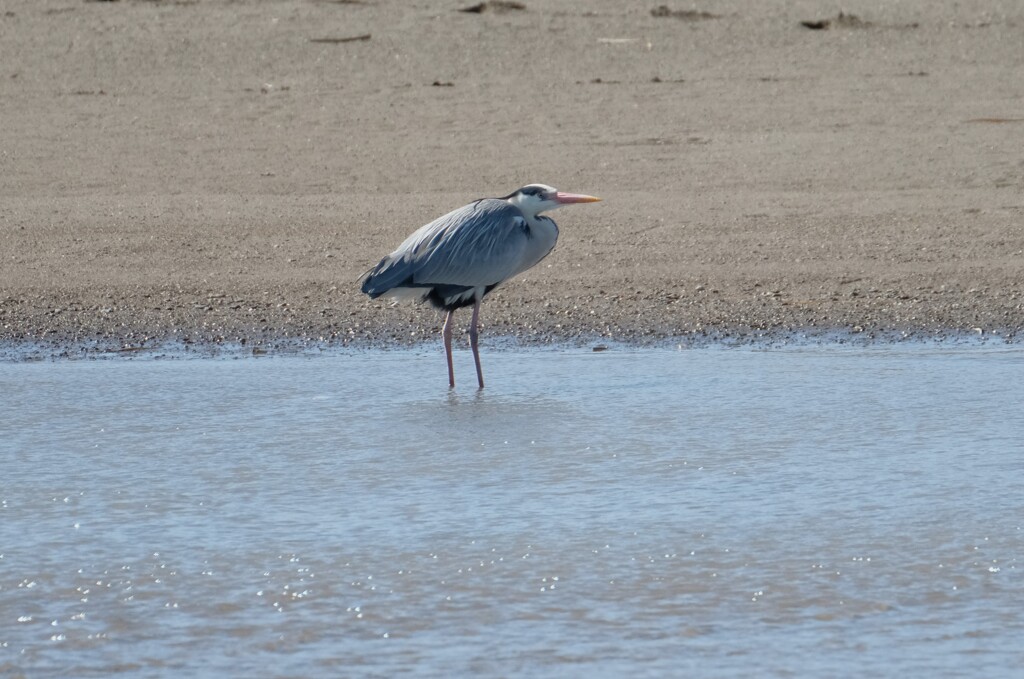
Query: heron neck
column 543, row 236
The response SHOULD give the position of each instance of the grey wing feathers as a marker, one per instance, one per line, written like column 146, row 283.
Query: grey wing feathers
column 480, row 244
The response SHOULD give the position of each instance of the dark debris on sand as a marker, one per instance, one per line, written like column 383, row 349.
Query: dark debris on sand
column 664, row 11
column 338, row 41
column 494, row 6
column 844, row 20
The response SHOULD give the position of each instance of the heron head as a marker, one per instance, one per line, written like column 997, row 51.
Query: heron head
column 533, row 199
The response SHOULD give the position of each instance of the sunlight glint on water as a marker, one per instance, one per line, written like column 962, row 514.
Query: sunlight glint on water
column 651, row 512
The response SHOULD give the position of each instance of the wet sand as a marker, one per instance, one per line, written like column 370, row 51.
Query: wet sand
column 224, row 171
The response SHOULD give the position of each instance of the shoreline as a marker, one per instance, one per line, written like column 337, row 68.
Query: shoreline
column 28, row 351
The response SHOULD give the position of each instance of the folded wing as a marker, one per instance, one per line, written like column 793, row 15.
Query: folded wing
column 476, row 246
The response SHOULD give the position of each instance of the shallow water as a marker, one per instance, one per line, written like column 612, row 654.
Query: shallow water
column 718, row 512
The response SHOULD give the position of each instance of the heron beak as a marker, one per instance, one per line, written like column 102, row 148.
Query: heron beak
column 566, row 198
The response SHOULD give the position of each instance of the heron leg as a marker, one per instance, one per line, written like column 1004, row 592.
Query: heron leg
column 446, row 333
column 474, row 335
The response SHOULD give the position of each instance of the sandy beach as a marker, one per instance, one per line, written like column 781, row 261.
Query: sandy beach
column 208, row 172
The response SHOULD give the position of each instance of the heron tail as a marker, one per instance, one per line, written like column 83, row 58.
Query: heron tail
column 387, row 275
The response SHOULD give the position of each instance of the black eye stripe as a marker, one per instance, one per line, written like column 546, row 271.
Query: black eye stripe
column 535, row 191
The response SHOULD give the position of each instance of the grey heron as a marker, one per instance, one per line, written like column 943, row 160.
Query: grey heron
column 456, row 260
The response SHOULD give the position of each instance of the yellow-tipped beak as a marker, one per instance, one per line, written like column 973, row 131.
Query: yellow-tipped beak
column 566, row 198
